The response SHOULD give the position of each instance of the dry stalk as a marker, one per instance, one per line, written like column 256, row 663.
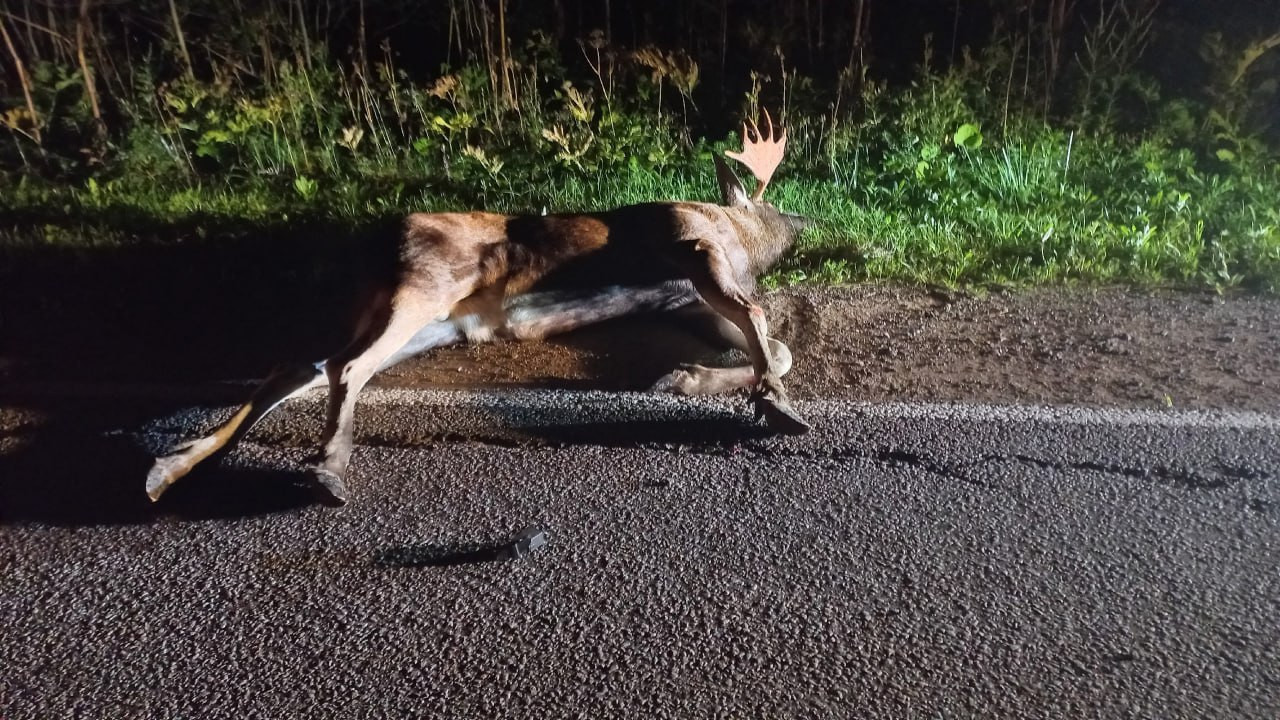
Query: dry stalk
column 23, row 79
column 182, row 40
column 82, row 25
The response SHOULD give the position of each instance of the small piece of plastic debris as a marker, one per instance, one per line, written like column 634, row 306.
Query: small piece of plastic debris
column 527, row 541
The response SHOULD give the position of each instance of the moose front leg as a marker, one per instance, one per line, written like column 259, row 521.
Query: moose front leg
column 712, row 271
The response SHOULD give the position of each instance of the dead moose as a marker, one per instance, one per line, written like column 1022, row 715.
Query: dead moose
column 477, row 276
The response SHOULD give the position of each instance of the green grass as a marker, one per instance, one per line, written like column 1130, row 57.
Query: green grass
column 924, row 185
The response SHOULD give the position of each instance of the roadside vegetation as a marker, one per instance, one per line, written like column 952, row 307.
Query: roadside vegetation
column 1048, row 150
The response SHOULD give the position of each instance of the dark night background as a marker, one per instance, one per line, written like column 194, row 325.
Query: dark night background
column 728, row 39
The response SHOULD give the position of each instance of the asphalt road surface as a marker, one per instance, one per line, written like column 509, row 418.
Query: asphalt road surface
column 902, row 561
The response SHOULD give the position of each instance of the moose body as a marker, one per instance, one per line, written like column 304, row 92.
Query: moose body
column 480, row 276
column 622, row 251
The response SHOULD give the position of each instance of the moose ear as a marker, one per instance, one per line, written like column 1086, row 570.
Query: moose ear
column 732, row 193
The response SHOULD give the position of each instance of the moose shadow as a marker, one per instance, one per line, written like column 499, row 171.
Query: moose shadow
column 182, row 304
column 82, row 466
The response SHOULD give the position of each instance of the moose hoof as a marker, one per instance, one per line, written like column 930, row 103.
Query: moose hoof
column 334, row 489
column 677, row 382
column 771, row 403
column 164, row 473
column 781, row 417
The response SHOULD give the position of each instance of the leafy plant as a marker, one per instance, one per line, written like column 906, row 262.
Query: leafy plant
column 968, row 137
column 305, row 187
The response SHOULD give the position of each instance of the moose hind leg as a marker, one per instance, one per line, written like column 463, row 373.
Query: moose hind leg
column 348, row 372
column 692, row 379
column 282, row 384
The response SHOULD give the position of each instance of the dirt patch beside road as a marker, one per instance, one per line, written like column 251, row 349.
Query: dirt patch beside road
column 1109, row 346
column 1069, row 346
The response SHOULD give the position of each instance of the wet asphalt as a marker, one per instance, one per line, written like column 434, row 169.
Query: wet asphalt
column 901, row 561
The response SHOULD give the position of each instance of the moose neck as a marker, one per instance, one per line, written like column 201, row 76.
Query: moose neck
column 766, row 234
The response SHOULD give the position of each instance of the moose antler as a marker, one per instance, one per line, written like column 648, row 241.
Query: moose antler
column 761, row 155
